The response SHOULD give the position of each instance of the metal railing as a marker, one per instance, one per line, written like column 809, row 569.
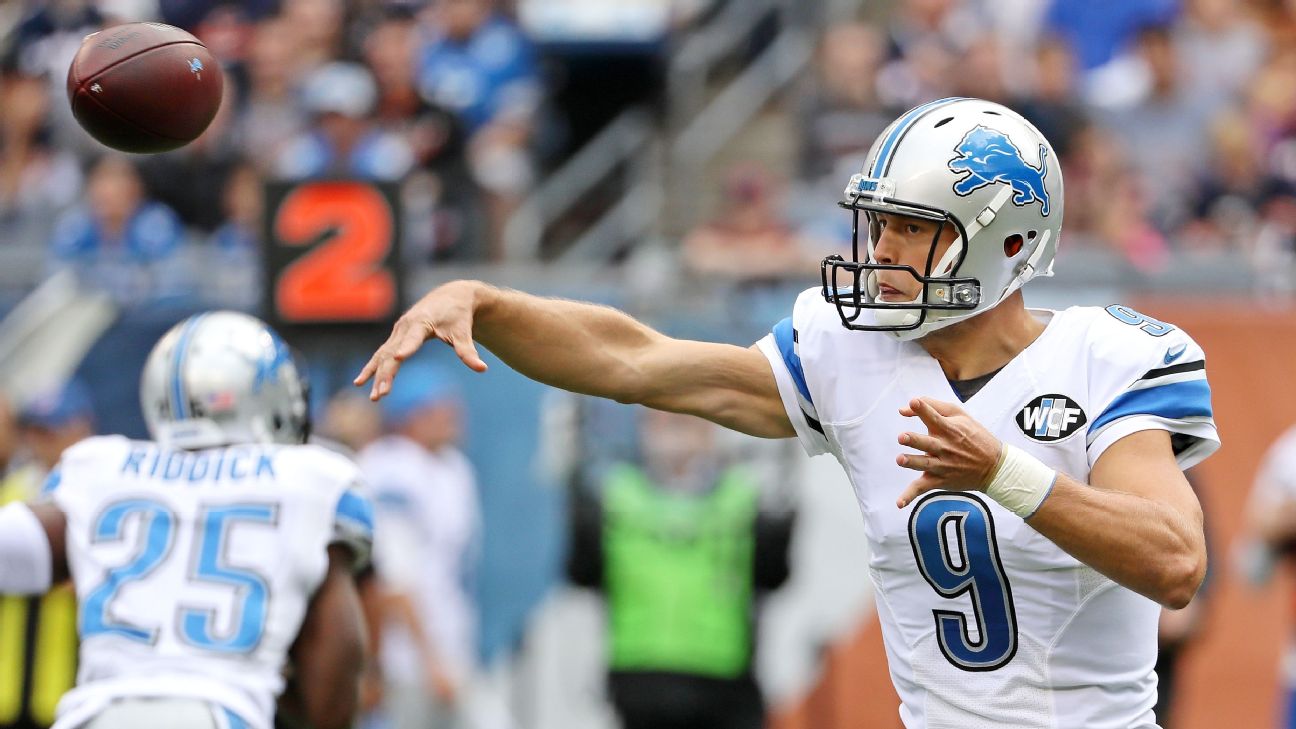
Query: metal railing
column 632, row 141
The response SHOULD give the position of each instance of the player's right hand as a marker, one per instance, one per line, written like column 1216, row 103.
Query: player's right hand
column 442, row 685
column 445, row 313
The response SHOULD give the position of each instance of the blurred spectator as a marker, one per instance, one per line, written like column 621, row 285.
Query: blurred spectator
column 1228, row 199
column 190, row 14
column 227, row 32
column 191, row 180
column 1269, row 540
column 441, row 200
column 1101, row 32
column 319, row 28
column 350, row 419
column 925, row 39
column 925, row 72
column 1271, row 107
column 477, row 64
column 750, row 239
column 841, row 115
column 1051, row 103
column 1278, row 17
column 119, row 241
column 236, row 246
column 1018, row 26
column 36, row 178
column 430, row 525
column 949, row 23
column 344, row 140
column 1162, row 133
column 981, row 70
column 51, row 422
column 1274, row 249
column 45, row 641
column 271, row 115
column 1220, row 47
column 682, row 552
column 42, row 45
column 1106, row 205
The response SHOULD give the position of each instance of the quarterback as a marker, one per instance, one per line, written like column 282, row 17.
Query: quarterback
column 205, row 559
column 1019, row 471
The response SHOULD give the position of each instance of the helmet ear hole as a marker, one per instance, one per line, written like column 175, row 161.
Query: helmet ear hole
column 1013, row 244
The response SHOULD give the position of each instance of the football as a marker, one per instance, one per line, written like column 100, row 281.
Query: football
column 144, row 87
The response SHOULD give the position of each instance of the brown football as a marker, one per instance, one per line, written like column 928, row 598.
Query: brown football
column 144, row 87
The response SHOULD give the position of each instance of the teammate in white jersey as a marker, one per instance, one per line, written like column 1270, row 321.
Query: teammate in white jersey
column 211, row 559
column 1019, row 471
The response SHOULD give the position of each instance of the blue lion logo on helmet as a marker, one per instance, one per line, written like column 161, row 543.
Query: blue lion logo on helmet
column 988, row 156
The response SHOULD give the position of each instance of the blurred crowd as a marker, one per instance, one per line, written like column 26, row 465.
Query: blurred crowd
column 438, row 97
column 1175, row 121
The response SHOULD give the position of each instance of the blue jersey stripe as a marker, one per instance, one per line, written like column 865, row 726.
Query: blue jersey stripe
column 888, row 146
column 785, row 338
column 1174, row 401
column 179, row 405
column 52, row 482
column 234, row 720
column 357, row 510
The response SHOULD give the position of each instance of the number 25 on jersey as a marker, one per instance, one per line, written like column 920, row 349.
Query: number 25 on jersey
column 155, row 544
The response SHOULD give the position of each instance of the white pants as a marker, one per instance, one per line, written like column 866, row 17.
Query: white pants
column 158, row 714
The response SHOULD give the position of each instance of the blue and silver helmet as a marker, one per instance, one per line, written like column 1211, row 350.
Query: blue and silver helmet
column 221, row 378
column 973, row 165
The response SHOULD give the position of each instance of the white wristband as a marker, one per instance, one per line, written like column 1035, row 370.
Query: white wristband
column 1020, row 481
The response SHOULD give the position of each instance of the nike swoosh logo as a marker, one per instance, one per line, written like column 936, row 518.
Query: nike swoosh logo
column 1175, row 353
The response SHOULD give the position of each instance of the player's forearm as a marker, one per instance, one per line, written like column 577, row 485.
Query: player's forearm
column 1147, row 546
column 585, row 348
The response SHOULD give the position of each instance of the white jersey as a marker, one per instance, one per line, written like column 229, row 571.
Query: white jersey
column 430, row 527
column 194, row 569
column 987, row 623
column 1274, row 487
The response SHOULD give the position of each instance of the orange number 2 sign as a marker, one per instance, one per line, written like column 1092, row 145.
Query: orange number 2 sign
column 343, row 278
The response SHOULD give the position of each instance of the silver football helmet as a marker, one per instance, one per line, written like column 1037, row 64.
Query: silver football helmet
column 971, row 164
column 221, row 378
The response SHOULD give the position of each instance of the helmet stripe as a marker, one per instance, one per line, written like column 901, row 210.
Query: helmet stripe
column 179, row 403
column 888, row 147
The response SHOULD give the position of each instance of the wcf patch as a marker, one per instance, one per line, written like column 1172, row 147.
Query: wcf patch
column 1050, row 418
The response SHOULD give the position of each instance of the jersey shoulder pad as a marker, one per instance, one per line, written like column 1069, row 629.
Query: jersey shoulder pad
column 1144, row 372
column 353, row 524
column 338, row 479
column 1121, row 335
column 83, row 462
column 94, row 449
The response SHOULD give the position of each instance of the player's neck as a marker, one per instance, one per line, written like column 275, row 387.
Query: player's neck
column 986, row 342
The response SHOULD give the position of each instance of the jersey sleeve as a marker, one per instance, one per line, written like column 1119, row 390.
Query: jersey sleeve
column 1149, row 375
column 353, row 523
column 79, row 469
column 782, row 348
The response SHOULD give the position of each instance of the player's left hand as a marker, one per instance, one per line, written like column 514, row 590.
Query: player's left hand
column 956, row 454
